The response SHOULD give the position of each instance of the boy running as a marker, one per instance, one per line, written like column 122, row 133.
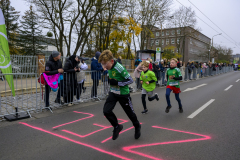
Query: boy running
column 119, row 92
column 173, row 77
column 148, row 81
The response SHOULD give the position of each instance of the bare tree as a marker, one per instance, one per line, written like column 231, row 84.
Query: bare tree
column 184, row 19
column 151, row 13
column 66, row 16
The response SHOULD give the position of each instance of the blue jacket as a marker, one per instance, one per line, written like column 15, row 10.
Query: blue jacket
column 97, row 67
column 162, row 68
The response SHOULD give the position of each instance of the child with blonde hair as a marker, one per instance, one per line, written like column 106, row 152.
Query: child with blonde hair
column 173, row 77
column 148, row 81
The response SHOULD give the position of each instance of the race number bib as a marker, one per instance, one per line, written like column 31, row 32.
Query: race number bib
column 173, row 83
column 115, row 90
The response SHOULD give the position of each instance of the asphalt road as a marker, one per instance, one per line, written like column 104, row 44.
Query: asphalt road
column 82, row 132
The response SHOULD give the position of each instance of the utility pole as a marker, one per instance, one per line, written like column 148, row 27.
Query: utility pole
column 212, row 44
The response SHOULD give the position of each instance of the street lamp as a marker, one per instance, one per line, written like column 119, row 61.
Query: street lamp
column 212, row 43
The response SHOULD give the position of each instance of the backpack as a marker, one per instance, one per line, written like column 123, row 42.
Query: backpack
column 41, row 80
column 137, row 62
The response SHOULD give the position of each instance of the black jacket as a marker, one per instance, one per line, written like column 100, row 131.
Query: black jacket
column 155, row 68
column 69, row 77
column 52, row 66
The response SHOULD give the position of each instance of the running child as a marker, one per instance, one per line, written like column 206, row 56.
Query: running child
column 119, row 92
column 148, row 81
column 173, row 77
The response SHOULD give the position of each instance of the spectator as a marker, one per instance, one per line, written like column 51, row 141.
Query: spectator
column 137, row 62
column 70, row 81
column 204, row 67
column 96, row 69
column 81, row 77
column 178, row 63
column 156, row 70
column 162, row 72
column 105, row 80
column 137, row 73
column 53, row 66
column 119, row 60
column 150, row 65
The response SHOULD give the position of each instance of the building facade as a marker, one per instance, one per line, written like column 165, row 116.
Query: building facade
column 190, row 43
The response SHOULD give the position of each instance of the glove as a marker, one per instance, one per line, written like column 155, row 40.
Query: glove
column 113, row 82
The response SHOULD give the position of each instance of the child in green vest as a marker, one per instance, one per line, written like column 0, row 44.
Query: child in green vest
column 173, row 77
column 148, row 81
column 119, row 92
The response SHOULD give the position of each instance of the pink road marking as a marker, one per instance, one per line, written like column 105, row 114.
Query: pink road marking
column 119, row 133
column 90, row 115
column 129, row 148
column 103, row 128
column 77, row 142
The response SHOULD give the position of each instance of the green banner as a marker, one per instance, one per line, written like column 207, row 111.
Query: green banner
column 5, row 61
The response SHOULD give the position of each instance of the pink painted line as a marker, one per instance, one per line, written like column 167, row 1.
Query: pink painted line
column 103, row 128
column 129, row 148
column 90, row 115
column 77, row 142
column 119, row 133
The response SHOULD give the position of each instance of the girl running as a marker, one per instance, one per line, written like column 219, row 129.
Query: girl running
column 148, row 81
column 173, row 77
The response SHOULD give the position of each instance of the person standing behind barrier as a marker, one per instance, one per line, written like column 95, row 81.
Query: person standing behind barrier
column 81, row 77
column 119, row 92
column 162, row 72
column 173, row 77
column 137, row 73
column 148, row 81
column 150, row 65
column 156, row 69
column 105, row 80
column 53, row 66
column 204, row 67
column 178, row 63
column 70, row 81
column 137, row 62
column 96, row 69
column 190, row 69
column 119, row 60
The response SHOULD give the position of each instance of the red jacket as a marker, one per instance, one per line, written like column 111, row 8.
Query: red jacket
column 150, row 66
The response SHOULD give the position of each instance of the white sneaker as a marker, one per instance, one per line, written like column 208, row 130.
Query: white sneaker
column 80, row 100
column 70, row 104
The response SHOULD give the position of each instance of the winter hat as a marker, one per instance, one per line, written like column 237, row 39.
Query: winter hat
column 97, row 54
column 55, row 54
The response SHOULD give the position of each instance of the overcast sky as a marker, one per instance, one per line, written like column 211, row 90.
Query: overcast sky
column 224, row 13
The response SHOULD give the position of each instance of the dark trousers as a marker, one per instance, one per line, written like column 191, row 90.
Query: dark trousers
column 79, row 89
column 48, row 90
column 168, row 91
column 125, row 102
column 94, row 87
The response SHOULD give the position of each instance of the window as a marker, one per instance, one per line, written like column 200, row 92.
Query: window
column 157, row 34
column 191, row 41
column 167, row 41
column 178, row 31
column 167, row 33
column 163, row 33
column 145, row 41
column 178, row 40
column 172, row 41
column 172, row 32
column 152, row 42
column 156, row 43
column 162, row 41
column 145, row 47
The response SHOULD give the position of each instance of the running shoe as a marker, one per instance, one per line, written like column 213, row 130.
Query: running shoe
column 116, row 131
column 168, row 108
column 180, row 110
column 145, row 111
column 137, row 132
column 157, row 97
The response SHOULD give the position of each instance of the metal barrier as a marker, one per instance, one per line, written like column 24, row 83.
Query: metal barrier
column 33, row 96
